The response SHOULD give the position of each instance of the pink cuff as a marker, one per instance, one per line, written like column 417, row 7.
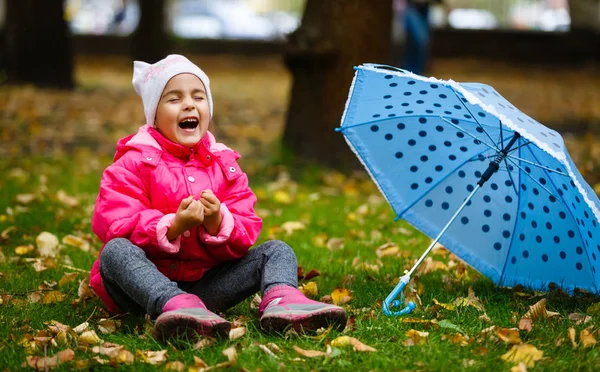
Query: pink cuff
column 226, row 228
column 161, row 234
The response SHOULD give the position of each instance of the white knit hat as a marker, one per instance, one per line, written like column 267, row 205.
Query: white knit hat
column 149, row 81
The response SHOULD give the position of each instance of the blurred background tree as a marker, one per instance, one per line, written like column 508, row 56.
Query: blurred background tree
column 334, row 36
column 37, row 43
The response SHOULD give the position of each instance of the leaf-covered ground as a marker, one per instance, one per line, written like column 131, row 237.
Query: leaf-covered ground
column 350, row 250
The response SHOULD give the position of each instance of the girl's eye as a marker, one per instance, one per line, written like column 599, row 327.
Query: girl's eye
column 174, row 99
column 199, row 98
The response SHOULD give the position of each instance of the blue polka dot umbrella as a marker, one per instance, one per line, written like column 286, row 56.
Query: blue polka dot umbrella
column 466, row 167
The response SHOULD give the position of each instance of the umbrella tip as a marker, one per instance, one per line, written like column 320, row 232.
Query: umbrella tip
column 338, row 129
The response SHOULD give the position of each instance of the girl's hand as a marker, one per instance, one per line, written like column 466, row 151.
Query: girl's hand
column 189, row 214
column 212, row 212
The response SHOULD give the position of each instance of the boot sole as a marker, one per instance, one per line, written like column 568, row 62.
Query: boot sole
column 304, row 323
column 180, row 326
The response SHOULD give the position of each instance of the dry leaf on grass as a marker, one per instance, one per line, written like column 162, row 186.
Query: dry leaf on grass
column 267, row 351
column 470, row 300
column 45, row 363
column 24, row 249
column 175, row 366
column 387, row 249
column 523, row 353
column 340, row 296
column 67, row 278
column 509, row 335
column 587, row 338
column 309, row 353
column 151, row 357
column 525, row 324
column 444, row 306
column 47, row 244
column 76, row 241
column 538, row 311
column 309, row 289
column 572, row 334
column 415, row 338
column 108, row 326
column 236, row 333
column 292, row 226
column 89, row 338
column 580, row 318
column 355, row 343
column 85, row 291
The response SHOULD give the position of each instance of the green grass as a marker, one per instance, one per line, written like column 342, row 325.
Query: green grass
column 330, row 206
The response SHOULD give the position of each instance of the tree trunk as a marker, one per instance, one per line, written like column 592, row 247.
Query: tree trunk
column 335, row 36
column 38, row 44
column 150, row 42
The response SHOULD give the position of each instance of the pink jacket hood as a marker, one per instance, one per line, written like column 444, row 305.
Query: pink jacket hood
column 141, row 191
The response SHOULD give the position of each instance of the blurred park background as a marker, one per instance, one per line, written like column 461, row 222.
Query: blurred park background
column 281, row 69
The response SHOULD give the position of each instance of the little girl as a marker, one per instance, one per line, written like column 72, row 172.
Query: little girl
column 177, row 220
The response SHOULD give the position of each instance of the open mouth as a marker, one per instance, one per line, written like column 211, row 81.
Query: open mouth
column 188, row 123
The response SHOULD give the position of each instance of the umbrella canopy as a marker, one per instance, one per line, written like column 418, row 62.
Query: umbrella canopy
column 427, row 143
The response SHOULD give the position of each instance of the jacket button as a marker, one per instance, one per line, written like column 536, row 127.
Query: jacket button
column 148, row 158
column 173, row 266
column 191, row 179
column 207, row 157
column 232, row 169
column 186, row 233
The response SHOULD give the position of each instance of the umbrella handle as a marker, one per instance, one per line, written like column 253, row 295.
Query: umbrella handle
column 390, row 301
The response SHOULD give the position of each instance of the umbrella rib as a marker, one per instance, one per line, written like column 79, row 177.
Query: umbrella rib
column 378, row 121
column 501, row 134
column 523, row 145
column 568, row 210
column 495, row 147
column 473, row 158
column 529, row 175
column 517, row 194
column 477, row 121
column 537, row 165
column 511, row 177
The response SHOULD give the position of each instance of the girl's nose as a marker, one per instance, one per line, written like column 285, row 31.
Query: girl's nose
column 188, row 103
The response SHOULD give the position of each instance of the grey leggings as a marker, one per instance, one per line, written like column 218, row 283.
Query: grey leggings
column 136, row 286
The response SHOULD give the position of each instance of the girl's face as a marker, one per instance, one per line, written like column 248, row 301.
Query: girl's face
column 183, row 113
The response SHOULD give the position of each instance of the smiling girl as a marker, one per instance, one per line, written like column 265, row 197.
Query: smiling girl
column 177, row 220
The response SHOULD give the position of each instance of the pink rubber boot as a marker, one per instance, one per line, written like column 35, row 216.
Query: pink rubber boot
column 186, row 317
column 284, row 307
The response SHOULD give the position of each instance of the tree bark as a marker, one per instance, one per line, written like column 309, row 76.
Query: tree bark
column 335, row 36
column 149, row 42
column 38, row 44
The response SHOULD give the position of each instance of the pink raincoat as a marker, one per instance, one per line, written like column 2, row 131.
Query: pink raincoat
column 141, row 191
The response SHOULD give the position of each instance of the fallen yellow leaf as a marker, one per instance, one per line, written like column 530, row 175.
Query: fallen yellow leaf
column 151, row 357
column 24, row 249
column 236, row 333
column 340, row 296
column 351, row 341
column 309, row 289
column 509, row 335
column 572, row 334
column 292, row 226
column 445, row 306
column 89, row 338
column 523, row 353
column 587, row 338
column 282, row 197
column 418, row 337
column 309, row 353
column 67, row 277
column 76, row 241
